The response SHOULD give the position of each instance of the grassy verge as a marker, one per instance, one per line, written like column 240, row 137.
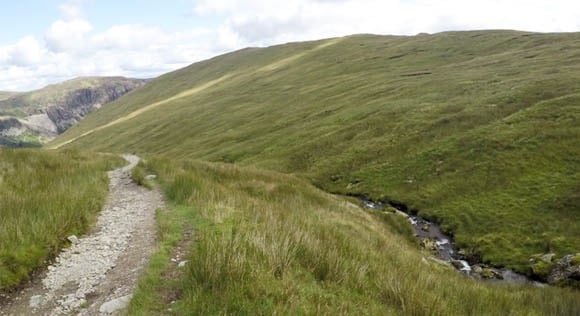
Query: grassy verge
column 155, row 290
column 45, row 197
column 267, row 243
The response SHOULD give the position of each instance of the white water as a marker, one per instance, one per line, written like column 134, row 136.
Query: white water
column 446, row 249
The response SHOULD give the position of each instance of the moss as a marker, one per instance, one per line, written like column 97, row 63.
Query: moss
column 542, row 269
column 576, row 259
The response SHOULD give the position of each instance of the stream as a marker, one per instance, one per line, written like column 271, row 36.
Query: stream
column 432, row 238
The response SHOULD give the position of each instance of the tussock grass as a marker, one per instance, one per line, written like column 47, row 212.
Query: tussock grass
column 267, row 243
column 45, row 197
column 476, row 130
column 139, row 175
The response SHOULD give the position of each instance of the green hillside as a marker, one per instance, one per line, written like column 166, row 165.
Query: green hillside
column 477, row 130
column 263, row 243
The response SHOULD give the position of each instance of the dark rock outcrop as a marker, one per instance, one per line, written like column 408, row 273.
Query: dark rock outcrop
column 54, row 109
column 79, row 103
column 566, row 271
column 9, row 123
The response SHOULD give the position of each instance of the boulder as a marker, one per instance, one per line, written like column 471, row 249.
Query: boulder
column 35, row 301
column 468, row 255
column 566, row 271
column 457, row 264
column 115, row 305
column 490, row 273
column 73, row 239
column 429, row 244
column 549, row 257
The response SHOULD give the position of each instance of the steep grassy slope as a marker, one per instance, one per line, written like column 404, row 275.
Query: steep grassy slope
column 478, row 130
column 45, row 197
column 263, row 243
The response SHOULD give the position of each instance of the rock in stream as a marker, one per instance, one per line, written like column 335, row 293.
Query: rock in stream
column 433, row 239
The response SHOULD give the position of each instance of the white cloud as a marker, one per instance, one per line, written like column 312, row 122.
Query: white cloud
column 130, row 37
column 67, row 35
column 27, row 51
column 267, row 22
column 71, row 46
column 127, row 50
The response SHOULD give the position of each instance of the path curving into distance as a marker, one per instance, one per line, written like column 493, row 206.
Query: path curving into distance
column 98, row 273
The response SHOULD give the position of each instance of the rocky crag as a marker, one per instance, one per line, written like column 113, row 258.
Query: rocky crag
column 32, row 118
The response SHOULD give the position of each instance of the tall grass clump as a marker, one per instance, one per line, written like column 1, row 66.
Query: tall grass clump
column 139, row 175
column 267, row 243
column 45, row 197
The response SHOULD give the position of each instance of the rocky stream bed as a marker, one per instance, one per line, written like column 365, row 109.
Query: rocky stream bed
column 433, row 239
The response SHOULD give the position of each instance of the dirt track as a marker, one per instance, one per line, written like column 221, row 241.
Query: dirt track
column 97, row 274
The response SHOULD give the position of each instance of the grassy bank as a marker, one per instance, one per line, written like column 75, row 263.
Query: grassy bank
column 260, row 242
column 477, row 130
column 45, row 197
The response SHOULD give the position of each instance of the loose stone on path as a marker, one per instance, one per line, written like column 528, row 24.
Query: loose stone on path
column 96, row 275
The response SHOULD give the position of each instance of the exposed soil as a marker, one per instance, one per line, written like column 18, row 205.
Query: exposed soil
column 98, row 273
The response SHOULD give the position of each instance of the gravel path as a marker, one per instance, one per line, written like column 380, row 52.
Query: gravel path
column 98, row 273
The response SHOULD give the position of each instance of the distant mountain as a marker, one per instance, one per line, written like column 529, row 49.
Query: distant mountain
column 32, row 118
column 7, row 94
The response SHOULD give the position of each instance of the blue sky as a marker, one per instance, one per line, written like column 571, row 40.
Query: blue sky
column 48, row 41
column 32, row 17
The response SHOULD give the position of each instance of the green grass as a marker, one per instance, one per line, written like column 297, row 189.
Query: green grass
column 139, row 175
column 477, row 130
column 158, row 285
column 45, row 197
column 264, row 243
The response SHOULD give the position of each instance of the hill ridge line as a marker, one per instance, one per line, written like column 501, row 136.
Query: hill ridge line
column 272, row 66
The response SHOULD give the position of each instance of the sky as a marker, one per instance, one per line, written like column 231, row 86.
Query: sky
column 49, row 41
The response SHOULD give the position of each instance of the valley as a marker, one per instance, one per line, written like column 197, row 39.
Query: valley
column 297, row 178
column 471, row 145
